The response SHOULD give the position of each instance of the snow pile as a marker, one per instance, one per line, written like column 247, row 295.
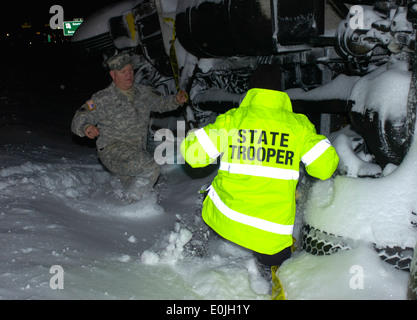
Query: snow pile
column 225, row 272
column 353, row 163
column 378, row 210
column 353, row 274
column 72, row 181
column 59, row 207
column 173, row 252
column 384, row 91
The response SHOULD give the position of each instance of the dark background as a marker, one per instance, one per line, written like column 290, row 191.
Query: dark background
column 40, row 80
column 14, row 13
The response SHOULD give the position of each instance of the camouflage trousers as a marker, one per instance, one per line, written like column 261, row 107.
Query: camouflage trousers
column 127, row 161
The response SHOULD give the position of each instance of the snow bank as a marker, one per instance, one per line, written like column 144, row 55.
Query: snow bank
column 379, row 210
column 226, row 272
column 352, row 274
column 373, row 210
column 58, row 206
column 76, row 182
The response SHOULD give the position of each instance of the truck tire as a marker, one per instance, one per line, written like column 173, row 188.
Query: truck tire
column 318, row 242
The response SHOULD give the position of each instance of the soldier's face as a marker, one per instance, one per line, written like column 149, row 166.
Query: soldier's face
column 123, row 79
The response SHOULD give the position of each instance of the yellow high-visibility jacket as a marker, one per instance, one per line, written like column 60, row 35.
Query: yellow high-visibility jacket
column 260, row 144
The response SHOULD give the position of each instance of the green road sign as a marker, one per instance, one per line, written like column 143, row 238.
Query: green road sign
column 71, row 26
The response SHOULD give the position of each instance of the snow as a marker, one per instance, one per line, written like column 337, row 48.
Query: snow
column 339, row 276
column 378, row 210
column 384, row 91
column 339, row 88
column 353, row 164
column 59, row 207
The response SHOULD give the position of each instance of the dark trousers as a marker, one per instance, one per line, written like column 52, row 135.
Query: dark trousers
column 266, row 261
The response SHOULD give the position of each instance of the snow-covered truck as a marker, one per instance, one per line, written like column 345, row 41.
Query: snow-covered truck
column 346, row 63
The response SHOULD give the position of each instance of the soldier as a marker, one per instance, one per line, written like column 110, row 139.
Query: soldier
column 118, row 117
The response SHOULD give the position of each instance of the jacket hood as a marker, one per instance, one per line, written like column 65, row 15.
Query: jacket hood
column 265, row 98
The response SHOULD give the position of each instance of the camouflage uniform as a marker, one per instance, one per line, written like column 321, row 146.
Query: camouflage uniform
column 122, row 118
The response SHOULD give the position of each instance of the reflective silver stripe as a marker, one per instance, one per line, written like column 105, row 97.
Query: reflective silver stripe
column 259, row 171
column 316, row 152
column 206, row 143
column 248, row 220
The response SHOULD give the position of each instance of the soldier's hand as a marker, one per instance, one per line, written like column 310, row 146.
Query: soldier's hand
column 92, row 131
column 182, row 97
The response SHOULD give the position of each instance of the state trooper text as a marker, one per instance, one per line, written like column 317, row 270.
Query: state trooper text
column 259, row 140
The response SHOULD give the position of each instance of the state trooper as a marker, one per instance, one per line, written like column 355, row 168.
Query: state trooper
column 260, row 144
column 118, row 117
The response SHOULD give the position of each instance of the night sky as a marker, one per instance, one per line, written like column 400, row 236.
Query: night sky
column 46, row 78
column 37, row 12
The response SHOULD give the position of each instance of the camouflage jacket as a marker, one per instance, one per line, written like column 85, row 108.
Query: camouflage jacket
column 119, row 119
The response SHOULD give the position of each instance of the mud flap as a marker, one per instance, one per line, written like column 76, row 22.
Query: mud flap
column 277, row 289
